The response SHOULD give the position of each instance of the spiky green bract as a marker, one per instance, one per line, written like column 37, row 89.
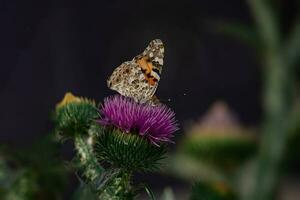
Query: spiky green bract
column 127, row 151
column 75, row 118
column 211, row 191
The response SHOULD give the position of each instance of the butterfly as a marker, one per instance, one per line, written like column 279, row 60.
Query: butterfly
column 139, row 77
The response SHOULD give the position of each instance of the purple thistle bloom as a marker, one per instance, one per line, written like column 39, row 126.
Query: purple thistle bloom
column 156, row 123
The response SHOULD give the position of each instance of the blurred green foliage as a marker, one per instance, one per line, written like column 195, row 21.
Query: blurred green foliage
column 224, row 151
column 32, row 173
column 292, row 156
column 167, row 194
column 211, row 191
column 84, row 192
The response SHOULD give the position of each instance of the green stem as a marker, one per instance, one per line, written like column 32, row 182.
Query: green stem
column 92, row 170
column 119, row 188
column 108, row 184
column 276, row 99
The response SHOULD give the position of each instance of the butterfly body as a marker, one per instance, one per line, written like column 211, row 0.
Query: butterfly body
column 139, row 77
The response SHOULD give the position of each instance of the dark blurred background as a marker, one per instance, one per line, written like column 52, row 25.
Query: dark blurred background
column 51, row 47
column 75, row 45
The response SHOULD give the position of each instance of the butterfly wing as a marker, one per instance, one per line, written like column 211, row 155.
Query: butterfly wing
column 154, row 54
column 139, row 78
column 128, row 80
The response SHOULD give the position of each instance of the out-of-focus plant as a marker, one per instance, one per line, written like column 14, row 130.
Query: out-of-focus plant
column 279, row 54
column 113, row 142
column 212, row 150
column 219, row 139
column 291, row 155
column 211, row 191
column 279, row 57
column 84, row 192
column 167, row 194
column 33, row 173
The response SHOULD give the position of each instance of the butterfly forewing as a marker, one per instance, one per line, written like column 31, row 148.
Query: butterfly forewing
column 139, row 78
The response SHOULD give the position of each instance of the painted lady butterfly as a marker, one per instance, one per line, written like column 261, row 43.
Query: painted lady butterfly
column 139, row 77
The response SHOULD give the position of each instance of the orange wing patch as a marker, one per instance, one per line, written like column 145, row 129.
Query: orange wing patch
column 152, row 80
column 147, row 67
column 145, row 64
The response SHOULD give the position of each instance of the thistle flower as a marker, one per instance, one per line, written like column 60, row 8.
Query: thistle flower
column 156, row 123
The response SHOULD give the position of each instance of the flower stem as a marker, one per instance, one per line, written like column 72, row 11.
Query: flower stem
column 119, row 188
column 92, row 170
